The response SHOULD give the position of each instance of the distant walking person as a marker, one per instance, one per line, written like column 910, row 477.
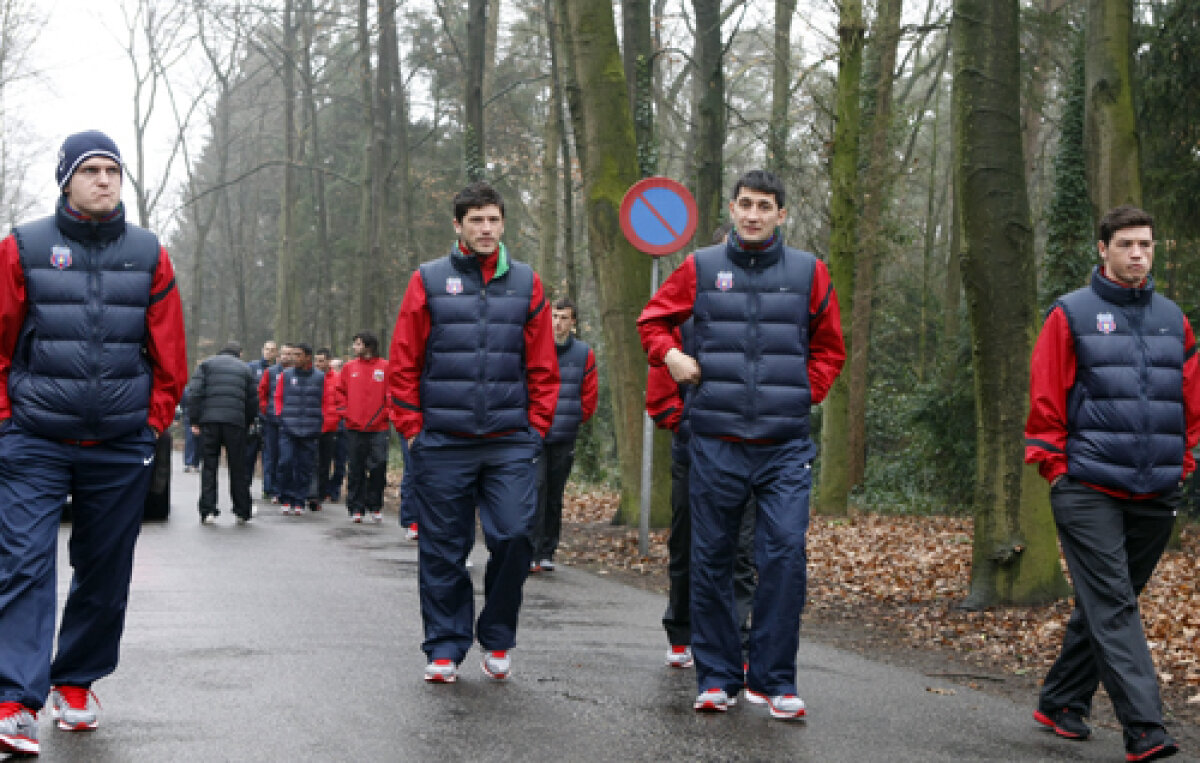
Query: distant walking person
column 768, row 346
column 270, row 420
column 472, row 384
column 577, row 395
column 92, row 365
column 191, row 443
column 329, row 476
column 255, row 440
column 301, row 406
column 1114, row 416
column 222, row 403
column 362, row 387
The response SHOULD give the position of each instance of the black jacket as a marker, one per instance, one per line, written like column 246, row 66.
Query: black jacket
column 222, row 391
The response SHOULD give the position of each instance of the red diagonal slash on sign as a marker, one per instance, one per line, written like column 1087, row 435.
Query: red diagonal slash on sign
column 642, row 198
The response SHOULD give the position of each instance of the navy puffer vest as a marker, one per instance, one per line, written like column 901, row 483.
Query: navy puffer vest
column 568, row 413
column 303, row 395
column 272, row 373
column 474, row 377
column 79, row 369
column 1125, row 416
column 751, row 326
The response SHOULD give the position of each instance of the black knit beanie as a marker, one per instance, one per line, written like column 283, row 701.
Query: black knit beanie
column 78, row 148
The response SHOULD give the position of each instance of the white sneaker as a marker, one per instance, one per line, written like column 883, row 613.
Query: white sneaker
column 74, row 708
column 441, row 672
column 713, row 701
column 786, row 707
column 410, row 533
column 209, row 519
column 548, row 565
column 680, row 657
column 497, row 665
column 376, row 516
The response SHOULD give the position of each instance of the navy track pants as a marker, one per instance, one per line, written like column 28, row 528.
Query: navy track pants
column 723, row 476
column 451, row 476
column 108, row 484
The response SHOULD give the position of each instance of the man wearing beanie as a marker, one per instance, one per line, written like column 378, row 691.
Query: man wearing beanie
column 92, row 365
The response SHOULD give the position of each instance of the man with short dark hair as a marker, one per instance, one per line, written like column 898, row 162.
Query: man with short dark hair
column 472, row 384
column 222, row 401
column 577, row 395
column 1114, row 415
column 92, row 364
column 769, row 342
column 362, row 388
column 270, row 420
column 302, row 405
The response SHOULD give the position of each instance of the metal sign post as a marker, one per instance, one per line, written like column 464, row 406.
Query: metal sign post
column 658, row 216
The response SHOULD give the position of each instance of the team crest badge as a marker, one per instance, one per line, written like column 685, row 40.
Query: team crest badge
column 1105, row 323
column 378, row 375
column 454, row 285
column 60, row 257
column 725, row 280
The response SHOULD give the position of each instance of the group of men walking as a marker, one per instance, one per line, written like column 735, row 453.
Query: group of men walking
column 487, row 387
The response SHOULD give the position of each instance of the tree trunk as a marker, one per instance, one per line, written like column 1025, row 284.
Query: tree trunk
column 781, row 88
column 1110, row 124
column 368, row 208
column 474, row 154
column 1015, row 553
column 638, row 55
column 288, row 308
column 877, row 183
column 833, row 489
column 547, row 262
column 710, row 112
column 324, row 252
column 622, row 274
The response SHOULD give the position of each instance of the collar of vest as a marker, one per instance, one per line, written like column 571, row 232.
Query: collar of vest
column 756, row 258
column 468, row 263
column 1121, row 295
column 565, row 346
column 87, row 231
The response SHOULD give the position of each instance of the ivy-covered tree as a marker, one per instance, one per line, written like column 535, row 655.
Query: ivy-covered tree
column 1070, row 240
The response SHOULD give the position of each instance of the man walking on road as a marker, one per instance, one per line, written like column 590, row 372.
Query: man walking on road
column 92, row 365
column 329, row 472
column 577, row 394
column 768, row 345
column 270, row 420
column 302, row 404
column 222, row 402
column 362, row 387
column 1114, row 416
column 255, row 440
column 472, row 385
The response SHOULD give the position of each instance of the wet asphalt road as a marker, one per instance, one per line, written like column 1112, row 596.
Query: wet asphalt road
column 297, row 639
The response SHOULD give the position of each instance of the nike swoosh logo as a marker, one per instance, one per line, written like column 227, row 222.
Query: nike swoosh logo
column 147, row 461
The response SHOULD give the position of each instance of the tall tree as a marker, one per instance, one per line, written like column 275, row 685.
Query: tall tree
column 1015, row 552
column 622, row 274
column 833, row 489
column 710, row 115
column 638, row 54
column 474, row 151
column 288, row 304
column 781, row 87
column 1110, row 127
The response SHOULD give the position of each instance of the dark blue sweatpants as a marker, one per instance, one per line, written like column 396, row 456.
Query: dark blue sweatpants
column 270, row 457
column 108, row 484
column 297, row 467
column 451, row 476
column 723, row 475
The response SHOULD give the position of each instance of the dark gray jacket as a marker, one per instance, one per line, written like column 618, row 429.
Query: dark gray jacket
column 222, row 391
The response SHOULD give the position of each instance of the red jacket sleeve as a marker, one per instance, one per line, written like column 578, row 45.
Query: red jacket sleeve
column 331, row 403
column 826, row 347
column 670, row 306
column 278, row 401
column 541, row 361
column 166, row 344
column 1191, row 397
column 1051, row 376
column 12, row 314
column 663, row 401
column 264, row 390
column 343, row 395
column 591, row 388
column 406, row 359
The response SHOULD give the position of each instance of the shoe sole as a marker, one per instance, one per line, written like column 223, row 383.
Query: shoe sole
column 758, row 698
column 20, row 745
column 1046, row 721
column 1158, row 753
column 440, row 678
column 680, row 665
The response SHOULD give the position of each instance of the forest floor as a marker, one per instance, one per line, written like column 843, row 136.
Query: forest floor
column 888, row 587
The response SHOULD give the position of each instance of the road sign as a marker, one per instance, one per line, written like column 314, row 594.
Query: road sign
column 658, row 216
